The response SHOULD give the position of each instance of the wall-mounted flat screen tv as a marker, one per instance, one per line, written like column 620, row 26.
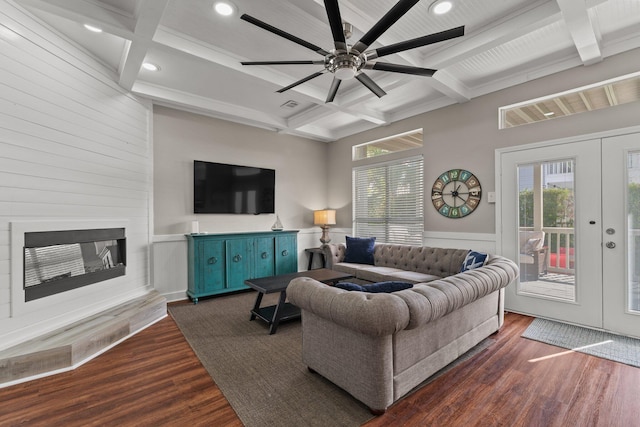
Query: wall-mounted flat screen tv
column 232, row 189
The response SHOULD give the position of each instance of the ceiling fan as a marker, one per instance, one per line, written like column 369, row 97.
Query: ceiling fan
column 345, row 61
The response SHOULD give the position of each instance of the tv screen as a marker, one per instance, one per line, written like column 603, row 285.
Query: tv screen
column 224, row 188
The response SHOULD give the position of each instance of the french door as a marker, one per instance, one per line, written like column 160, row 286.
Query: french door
column 570, row 216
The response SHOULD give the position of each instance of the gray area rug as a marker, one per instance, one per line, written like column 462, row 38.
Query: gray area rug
column 596, row 343
column 261, row 375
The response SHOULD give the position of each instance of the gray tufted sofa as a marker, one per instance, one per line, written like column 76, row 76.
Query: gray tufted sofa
column 379, row 346
column 414, row 264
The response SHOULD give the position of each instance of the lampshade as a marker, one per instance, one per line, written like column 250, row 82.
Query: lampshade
column 324, row 217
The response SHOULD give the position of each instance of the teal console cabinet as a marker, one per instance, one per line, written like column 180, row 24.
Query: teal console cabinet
column 220, row 263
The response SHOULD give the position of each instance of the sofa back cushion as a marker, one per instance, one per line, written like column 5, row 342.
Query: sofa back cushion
column 442, row 262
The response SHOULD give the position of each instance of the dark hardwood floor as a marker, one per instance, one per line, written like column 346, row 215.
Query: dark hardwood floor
column 154, row 379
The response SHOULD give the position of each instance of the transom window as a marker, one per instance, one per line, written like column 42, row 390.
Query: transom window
column 393, row 144
column 609, row 93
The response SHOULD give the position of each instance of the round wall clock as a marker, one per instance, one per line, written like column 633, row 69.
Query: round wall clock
column 456, row 193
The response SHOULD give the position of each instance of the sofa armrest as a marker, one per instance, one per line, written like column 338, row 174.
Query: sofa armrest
column 368, row 313
column 333, row 254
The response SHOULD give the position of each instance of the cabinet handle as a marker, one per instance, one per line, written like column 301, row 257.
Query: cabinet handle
column 285, row 253
column 265, row 255
column 212, row 260
column 237, row 258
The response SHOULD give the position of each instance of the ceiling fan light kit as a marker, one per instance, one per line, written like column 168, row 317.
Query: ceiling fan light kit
column 346, row 62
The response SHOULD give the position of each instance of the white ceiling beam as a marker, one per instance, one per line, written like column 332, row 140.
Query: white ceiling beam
column 583, row 34
column 448, row 85
column 222, row 109
column 111, row 20
column 149, row 15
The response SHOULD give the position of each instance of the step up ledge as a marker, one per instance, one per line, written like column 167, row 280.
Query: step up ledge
column 77, row 343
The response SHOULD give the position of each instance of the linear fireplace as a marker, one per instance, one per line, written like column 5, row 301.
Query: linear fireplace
column 59, row 261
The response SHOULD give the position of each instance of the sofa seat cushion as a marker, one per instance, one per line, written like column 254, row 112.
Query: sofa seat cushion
column 372, row 273
column 412, row 277
column 349, row 268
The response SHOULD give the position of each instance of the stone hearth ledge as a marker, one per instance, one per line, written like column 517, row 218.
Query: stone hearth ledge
column 73, row 345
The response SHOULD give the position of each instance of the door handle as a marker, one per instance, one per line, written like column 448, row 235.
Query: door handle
column 610, row 245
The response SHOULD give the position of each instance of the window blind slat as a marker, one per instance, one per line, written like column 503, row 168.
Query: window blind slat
column 389, row 201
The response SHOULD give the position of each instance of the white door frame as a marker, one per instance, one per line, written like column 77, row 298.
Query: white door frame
column 501, row 246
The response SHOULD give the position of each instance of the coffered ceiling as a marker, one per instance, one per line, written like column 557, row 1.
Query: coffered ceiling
column 506, row 42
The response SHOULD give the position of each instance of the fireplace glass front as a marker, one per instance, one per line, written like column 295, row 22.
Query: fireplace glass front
column 58, row 261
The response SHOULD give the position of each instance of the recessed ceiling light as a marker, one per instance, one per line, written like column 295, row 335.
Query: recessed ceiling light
column 151, row 67
column 549, row 114
column 93, row 28
column 440, row 7
column 224, row 8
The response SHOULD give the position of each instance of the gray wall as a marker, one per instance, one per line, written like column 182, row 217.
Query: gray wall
column 180, row 138
column 467, row 135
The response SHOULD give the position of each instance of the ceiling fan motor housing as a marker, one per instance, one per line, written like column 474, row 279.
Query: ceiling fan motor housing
column 343, row 64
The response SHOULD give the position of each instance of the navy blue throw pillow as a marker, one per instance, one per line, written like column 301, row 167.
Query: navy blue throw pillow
column 360, row 250
column 473, row 260
column 380, row 287
column 348, row 286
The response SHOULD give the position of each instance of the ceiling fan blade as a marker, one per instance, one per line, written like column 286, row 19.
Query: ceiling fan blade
column 384, row 23
column 398, row 68
column 299, row 82
column 282, row 62
column 417, row 42
column 284, row 34
column 335, row 21
column 371, row 85
column 333, row 90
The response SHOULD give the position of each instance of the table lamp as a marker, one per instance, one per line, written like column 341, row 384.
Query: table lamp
column 324, row 218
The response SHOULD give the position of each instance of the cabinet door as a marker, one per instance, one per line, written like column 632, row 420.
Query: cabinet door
column 286, row 254
column 211, row 257
column 239, row 263
column 264, row 262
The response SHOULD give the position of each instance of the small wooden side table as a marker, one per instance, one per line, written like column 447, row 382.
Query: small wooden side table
column 311, row 252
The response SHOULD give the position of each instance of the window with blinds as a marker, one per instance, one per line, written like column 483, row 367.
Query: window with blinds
column 388, row 201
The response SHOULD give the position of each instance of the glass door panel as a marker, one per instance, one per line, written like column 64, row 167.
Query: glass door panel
column 546, row 236
column 633, row 232
column 621, row 233
column 551, row 194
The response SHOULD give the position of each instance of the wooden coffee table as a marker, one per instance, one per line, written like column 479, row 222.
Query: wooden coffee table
column 274, row 314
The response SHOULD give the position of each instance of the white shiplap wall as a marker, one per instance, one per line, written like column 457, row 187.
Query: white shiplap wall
column 74, row 146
